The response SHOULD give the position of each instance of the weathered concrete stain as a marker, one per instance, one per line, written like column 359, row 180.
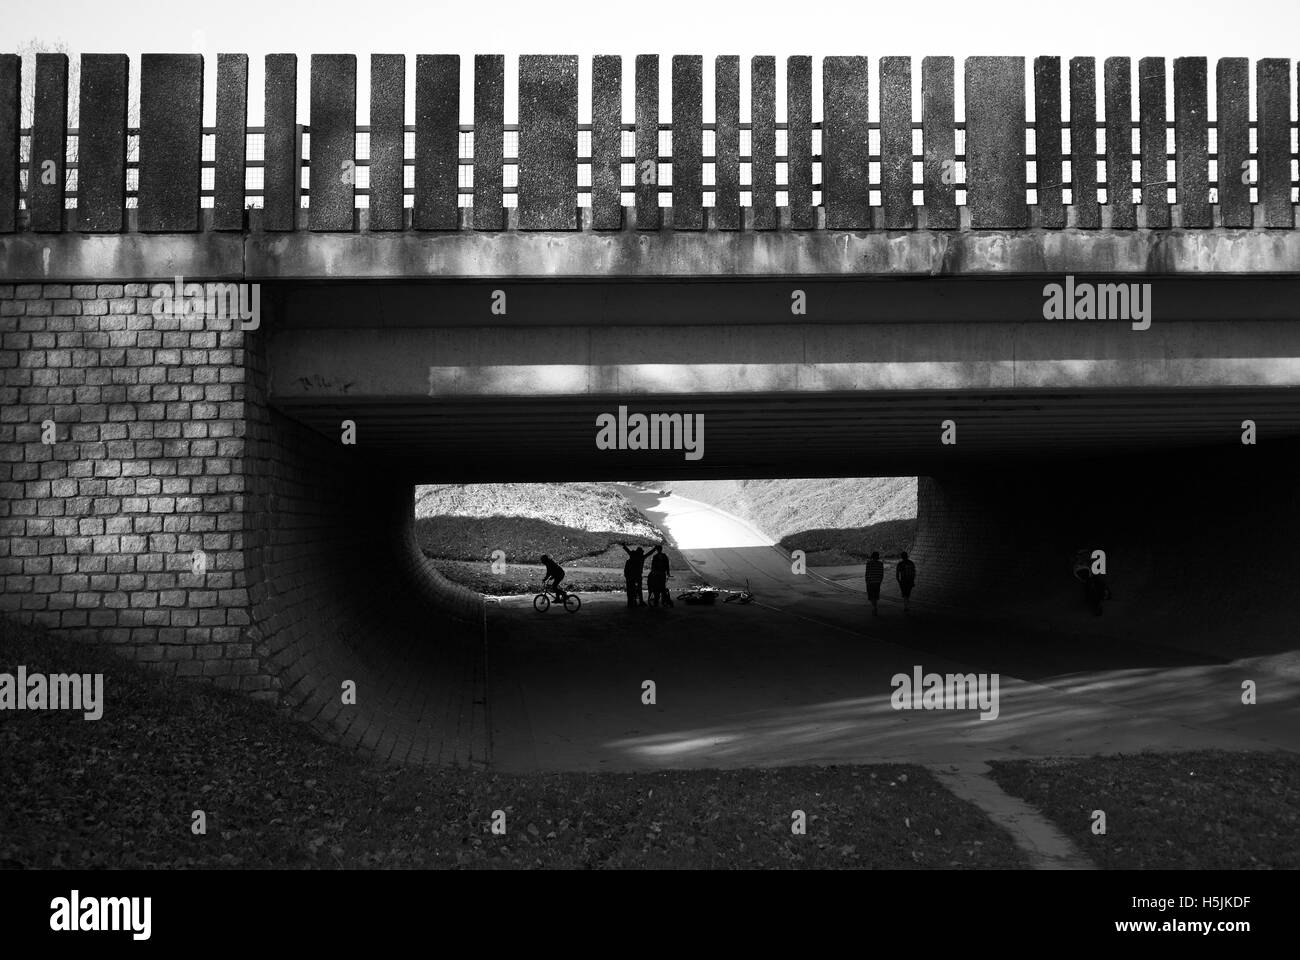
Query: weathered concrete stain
column 632, row 253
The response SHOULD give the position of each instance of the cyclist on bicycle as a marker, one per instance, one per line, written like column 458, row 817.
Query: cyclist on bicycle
column 554, row 573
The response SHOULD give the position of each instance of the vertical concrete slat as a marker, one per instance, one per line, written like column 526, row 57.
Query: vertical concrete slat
column 230, row 176
column 11, row 73
column 1273, row 139
column 1119, row 143
column 171, row 141
column 762, row 141
column 1151, row 117
column 995, row 142
column 939, row 143
column 11, row 120
column 607, row 142
column 46, row 173
column 798, row 142
column 647, row 142
column 1083, row 142
column 282, row 161
column 846, row 145
column 1191, row 105
column 332, row 177
column 688, row 142
column 1048, row 176
column 489, row 135
column 1232, row 150
column 437, row 142
column 548, row 142
column 101, row 143
column 726, row 143
column 896, row 143
column 387, row 141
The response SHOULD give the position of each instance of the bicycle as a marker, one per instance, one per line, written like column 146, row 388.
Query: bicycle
column 742, row 596
column 542, row 602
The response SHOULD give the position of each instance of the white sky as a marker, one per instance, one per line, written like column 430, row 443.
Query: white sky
column 959, row 28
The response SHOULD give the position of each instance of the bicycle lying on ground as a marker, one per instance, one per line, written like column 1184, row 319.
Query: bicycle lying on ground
column 707, row 594
column 542, row 602
column 741, row 596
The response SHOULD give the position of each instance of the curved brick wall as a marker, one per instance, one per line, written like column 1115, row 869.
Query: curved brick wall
column 1198, row 546
column 164, row 446
column 340, row 591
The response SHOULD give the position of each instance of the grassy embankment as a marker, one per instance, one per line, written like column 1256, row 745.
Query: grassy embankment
column 579, row 525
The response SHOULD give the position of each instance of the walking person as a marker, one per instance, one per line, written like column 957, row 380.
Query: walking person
column 658, row 578
column 1095, row 591
column 875, row 574
column 632, row 572
column 905, row 574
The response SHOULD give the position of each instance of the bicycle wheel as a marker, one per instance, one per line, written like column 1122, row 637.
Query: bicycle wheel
column 541, row 603
column 572, row 602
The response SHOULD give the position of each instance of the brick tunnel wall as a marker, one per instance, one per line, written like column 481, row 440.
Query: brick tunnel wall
column 1199, row 547
column 164, row 446
column 344, row 593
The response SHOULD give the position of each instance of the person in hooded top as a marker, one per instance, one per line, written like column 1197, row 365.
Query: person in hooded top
column 905, row 574
column 875, row 576
column 658, row 578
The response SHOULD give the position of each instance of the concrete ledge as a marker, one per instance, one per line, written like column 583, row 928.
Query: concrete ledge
column 635, row 254
column 802, row 253
column 68, row 257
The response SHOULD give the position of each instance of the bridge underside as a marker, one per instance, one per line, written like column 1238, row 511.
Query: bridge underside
column 883, row 433
column 862, row 383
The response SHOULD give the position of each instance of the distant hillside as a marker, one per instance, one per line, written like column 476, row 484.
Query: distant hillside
column 783, row 507
column 580, row 506
column 834, row 520
column 577, row 524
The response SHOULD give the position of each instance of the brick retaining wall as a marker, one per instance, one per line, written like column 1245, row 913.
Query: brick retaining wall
column 164, row 446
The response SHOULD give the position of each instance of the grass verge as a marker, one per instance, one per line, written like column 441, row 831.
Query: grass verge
column 1204, row 810
column 121, row 791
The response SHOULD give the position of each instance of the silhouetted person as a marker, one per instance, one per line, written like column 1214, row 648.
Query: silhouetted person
column 632, row 575
column 1095, row 591
column 875, row 574
column 905, row 574
column 658, row 578
column 554, row 573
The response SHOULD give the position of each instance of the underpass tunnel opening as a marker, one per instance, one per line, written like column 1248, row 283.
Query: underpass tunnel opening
column 1195, row 539
column 413, row 576
column 1190, row 550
